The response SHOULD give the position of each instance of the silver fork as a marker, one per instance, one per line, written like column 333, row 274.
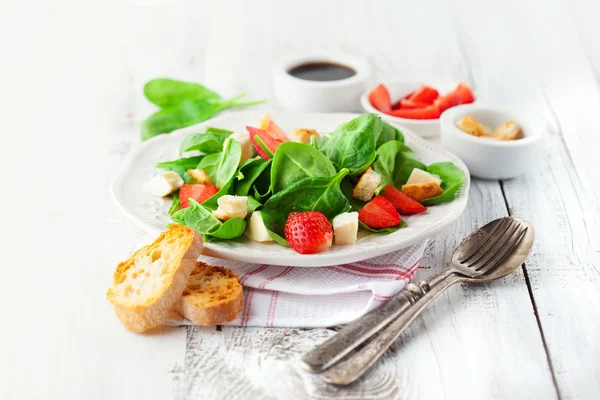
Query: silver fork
column 491, row 252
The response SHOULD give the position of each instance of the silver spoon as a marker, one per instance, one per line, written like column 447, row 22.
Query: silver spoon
column 489, row 253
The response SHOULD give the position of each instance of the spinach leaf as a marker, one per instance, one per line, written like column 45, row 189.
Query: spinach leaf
column 295, row 161
column 250, row 171
column 229, row 229
column 221, row 167
column 209, row 164
column 309, row 194
column 185, row 163
column 253, row 204
column 186, row 113
column 452, row 179
column 176, row 205
column 389, row 133
column 262, row 184
column 211, row 203
column 277, row 238
column 218, row 131
column 395, row 162
column 197, row 217
column 352, row 145
column 206, row 143
column 402, row 224
column 347, row 188
column 165, row 92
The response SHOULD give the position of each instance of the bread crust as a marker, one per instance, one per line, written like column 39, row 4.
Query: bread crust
column 144, row 316
column 218, row 311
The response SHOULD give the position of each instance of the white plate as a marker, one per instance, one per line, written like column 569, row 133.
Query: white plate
column 150, row 212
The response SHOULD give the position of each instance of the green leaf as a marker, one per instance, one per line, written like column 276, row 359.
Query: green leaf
column 197, row 217
column 206, row 143
column 253, row 204
column 229, row 229
column 295, row 161
column 209, row 164
column 250, row 171
column 262, row 184
column 389, row 133
column 278, row 239
column 452, row 179
column 165, row 92
column 347, row 188
column 222, row 167
column 309, row 194
column 184, row 163
column 175, row 205
column 395, row 162
column 219, row 131
column 352, row 145
column 362, row 226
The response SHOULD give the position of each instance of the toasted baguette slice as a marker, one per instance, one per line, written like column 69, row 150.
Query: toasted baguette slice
column 212, row 296
column 149, row 284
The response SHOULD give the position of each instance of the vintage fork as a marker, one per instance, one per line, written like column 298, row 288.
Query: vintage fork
column 480, row 252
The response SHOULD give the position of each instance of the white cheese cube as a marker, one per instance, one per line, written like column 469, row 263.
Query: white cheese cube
column 345, row 228
column 419, row 176
column 244, row 141
column 164, row 184
column 231, row 207
column 256, row 229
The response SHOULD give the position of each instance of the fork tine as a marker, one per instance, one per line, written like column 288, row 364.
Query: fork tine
column 485, row 239
column 493, row 248
column 505, row 251
column 487, row 243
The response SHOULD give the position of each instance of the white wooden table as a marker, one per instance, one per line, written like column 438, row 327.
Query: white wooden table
column 70, row 106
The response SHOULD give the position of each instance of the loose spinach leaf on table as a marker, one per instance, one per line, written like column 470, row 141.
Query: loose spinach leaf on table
column 175, row 205
column 250, row 171
column 197, row 217
column 309, row 194
column 295, row 161
column 207, row 143
column 452, row 179
column 352, row 145
column 165, row 92
column 395, row 162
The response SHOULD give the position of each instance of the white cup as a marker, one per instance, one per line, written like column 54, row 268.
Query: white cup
column 320, row 96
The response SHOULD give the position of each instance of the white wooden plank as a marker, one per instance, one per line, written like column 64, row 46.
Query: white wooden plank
column 558, row 197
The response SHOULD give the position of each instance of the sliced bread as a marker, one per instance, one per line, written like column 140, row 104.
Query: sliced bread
column 150, row 283
column 213, row 295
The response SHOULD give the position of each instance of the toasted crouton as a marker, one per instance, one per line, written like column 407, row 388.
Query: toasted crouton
column 213, row 295
column 201, row 176
column 304, row 135
column 473, row 127
column 422, row 191
column 507, row 131
column 365, row 188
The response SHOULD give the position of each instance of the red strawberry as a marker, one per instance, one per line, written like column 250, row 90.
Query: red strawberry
column 271, row 140
column 380, row 99
column 403, row 203
column 198, row 192
column 379, row 213
column 308, row 232
column 424, row 94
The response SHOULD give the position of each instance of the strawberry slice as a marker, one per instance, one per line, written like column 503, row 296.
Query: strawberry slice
column 402, row 203
column 464, row 93
column 397, row 104
column 425, row 94
column 379, row 213
column 406, row 103
column 308, row 232
column 380, row 99
column 274, row 129
column 270, row 140
column 445, row 102
column 429, row 112
column 198, row 192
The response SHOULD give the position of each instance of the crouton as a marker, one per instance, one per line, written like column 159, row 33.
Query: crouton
column 473, row 127
column 422, row 191
column 507, row 131
column 201, row 176
column 303, row 135
column 365, row 188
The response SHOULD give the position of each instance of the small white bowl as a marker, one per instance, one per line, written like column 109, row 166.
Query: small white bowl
column 320, row 96
column 399, row 89
column 489, row 158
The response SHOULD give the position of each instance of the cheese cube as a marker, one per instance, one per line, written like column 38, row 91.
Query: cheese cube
column 345, row 228
column 164, row 184
column 419, row 176
column 244, row 141
column 231, row 207
column 256, row 229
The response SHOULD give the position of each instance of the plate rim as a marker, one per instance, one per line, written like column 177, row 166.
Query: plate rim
column 299, row 260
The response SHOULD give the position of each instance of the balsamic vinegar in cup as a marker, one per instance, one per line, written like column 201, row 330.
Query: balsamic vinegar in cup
column 321, row 71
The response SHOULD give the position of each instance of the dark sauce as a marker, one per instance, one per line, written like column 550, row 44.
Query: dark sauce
column 321, row 71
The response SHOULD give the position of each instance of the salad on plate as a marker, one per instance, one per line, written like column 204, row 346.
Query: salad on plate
column 301, row 189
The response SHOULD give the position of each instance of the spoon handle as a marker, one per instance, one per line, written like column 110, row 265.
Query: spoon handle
column 355, row 333
column 358, row 363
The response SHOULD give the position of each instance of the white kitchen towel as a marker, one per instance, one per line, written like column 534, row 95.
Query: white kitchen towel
column 276, row 296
